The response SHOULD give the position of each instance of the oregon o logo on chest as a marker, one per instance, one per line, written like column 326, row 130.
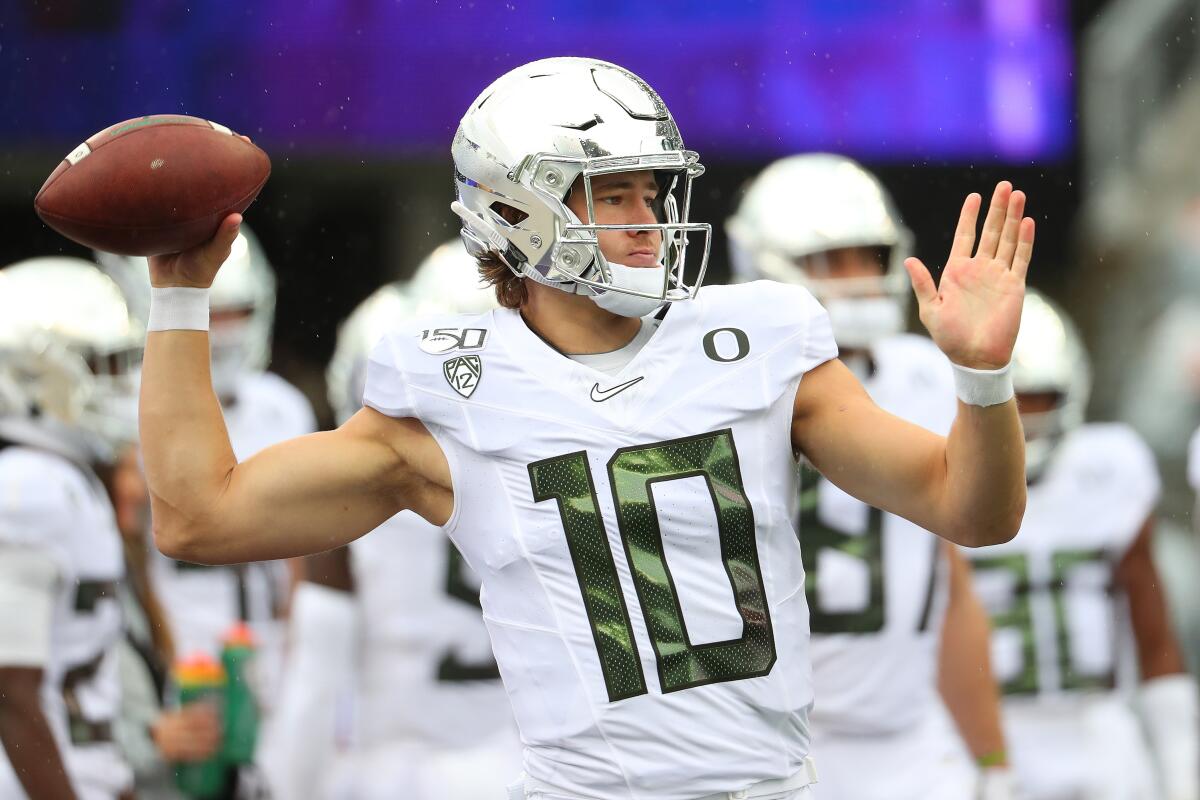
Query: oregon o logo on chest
column 726, row 345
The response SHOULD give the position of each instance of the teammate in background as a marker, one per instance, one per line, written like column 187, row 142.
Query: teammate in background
column 888, row 603
column 68, row 348
column 1063, row 593
column 260, row 408
column 395, row 616
column 572, row 448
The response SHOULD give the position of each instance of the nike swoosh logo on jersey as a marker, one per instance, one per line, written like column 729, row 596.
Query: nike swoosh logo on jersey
column 600, row 395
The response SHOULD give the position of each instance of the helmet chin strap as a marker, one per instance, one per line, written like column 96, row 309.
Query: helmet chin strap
column 648, row 280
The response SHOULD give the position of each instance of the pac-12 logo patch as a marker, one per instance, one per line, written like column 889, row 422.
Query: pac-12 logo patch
column 462, row 373
column 439, row 341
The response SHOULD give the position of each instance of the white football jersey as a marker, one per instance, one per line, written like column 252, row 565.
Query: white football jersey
column 62, row 509
column 642, row 579
column 426, row 672
column 204, row 602
column 1056, row 615
column 877, row 584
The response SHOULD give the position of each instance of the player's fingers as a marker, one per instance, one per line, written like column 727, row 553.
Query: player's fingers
column 964, row 234
column 1012, row 224
column 922, row 281
column 993, row 224
column 217, row 249
column 1024, row 252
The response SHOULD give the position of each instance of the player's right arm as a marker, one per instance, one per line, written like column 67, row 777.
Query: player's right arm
column 304, row 495
column 28, row 580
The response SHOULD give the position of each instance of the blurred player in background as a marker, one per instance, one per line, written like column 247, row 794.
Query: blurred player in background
column 892, row 610
column 396, row 617
column 68, row 351
column 1065, row 592
column 203, row 603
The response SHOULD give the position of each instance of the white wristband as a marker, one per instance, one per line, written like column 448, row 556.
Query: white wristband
column 983, row 387
column 178, row 308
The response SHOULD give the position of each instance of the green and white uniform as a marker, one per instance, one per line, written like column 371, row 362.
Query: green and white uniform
column 641, row 577
column 1059, row 625
column 877, row 591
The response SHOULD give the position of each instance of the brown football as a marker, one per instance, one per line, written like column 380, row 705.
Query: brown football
column 153, row 185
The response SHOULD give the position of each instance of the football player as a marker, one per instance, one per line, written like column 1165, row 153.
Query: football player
column 619, row 474
column 1063, row 592
column 884, row 597
column 68, row 352
column 396, row 617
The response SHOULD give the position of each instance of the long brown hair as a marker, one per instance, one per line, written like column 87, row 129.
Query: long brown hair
column 510, row 287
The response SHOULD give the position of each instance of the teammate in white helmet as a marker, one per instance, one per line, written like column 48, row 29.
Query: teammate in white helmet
column 68, row 350
column 1064, row 593
column 395, row 618
column 612, row 453
column 887, row 601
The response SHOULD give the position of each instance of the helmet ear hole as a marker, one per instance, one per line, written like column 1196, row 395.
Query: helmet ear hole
column 511, row 215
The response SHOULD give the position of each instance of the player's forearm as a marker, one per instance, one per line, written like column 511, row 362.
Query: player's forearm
column 31, row 748
column 965, row 678
column 983, row 493
column 185, row 446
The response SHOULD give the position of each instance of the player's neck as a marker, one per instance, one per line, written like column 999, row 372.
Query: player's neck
column 573, row 324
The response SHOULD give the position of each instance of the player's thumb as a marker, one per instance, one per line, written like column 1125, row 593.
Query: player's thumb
column 922, row 281
column 217, row 249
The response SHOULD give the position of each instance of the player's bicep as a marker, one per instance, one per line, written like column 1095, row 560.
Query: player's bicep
column 324, row 490
column 884, row 461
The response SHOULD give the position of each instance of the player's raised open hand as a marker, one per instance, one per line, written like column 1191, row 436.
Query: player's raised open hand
column 198, row 266
column 974, row 312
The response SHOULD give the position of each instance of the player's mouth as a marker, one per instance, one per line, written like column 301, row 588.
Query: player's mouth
column 643, row 257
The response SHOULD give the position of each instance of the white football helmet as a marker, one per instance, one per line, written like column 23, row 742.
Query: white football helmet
column 1049, row 357
column 526, row 139
column 439, row 286
column 69, row 358
column 246, row 284
column 805, row 205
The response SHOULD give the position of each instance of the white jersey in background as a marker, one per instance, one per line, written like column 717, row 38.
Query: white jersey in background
column 877, row 591
column 431, row 719
column 642, row 580
column 1057, row 620
column 204, row 602
column 61, row 511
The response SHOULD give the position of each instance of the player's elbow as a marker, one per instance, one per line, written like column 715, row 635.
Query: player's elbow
column 997, row 527
column 189, row 541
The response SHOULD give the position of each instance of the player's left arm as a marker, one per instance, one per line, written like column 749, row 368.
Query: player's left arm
column 965, row 678
column 1168, row 696
column 970, row 486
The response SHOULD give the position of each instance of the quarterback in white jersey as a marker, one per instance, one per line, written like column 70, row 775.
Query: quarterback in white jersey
column 623, row 489
column 1065, row 591
column 394, row 617
column 60, row 551
column 878, row 586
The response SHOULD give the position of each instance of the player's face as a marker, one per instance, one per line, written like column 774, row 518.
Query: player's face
column 845, row 263
column 623, row 198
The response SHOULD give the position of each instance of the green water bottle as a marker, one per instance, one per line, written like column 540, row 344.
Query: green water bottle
column 201, row 679
column 241, row 705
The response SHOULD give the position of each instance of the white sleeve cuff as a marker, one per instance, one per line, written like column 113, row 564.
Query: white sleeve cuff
column 178, row 308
